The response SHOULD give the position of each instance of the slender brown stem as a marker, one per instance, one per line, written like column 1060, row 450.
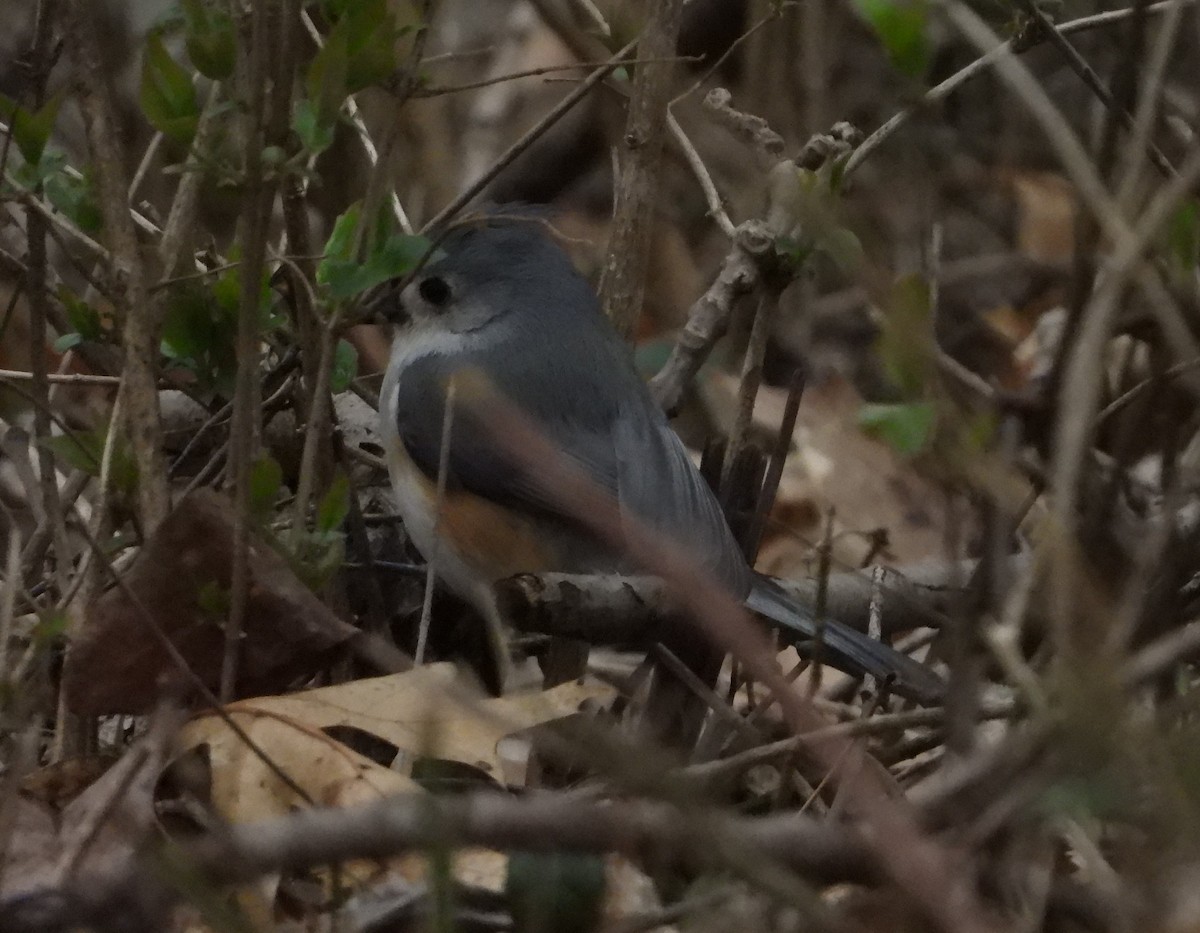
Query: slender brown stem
column 623, row 280
column 259, row 50
column 142, row 326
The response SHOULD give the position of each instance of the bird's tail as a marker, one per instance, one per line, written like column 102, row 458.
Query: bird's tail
column 847, row 648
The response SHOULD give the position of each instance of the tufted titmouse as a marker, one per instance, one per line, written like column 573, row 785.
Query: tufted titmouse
column 505, row 302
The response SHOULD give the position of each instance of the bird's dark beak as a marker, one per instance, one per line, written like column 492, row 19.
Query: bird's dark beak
column 384, row 306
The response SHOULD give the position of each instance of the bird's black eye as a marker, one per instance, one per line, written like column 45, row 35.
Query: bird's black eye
column 434, row 290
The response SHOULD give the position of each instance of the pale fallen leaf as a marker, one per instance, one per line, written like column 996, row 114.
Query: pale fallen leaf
column 430, row 711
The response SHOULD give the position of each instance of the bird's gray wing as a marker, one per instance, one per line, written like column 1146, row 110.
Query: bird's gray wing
column 658, row 484
column 477, row 463
column 605, row 422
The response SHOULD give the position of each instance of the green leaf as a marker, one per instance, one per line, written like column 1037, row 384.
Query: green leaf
column 326, row 78
column 371, row 43
column 78, row 451
column 73, row 197
column 83, row 317
column 340, row 244
column 266, row 480
column 395, row 258
column 199, row 334
column 67, row 342
column 336, row 9
column 359, row 51
column 51, row 624
column 389, row 256
column 210, row 39
column 906, row 428
column 345, row 366
column 30, row 130
column 842, row 246
column 316, row 136
column 1183, row 236
column 906, row 344
column 83, row 451
column 900, row 25
column 168, row 98
column 334, row 505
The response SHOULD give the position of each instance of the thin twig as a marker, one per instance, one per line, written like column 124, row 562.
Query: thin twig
column 141, row 330
column 622, row 280
column 1092, row 81
column 1152, row 84
column 716, row 210
column 252, row 233
column 439, row 505
column 941, row 91
column 770, row 487
column 751, row 378
column 530, row 137
column 70, row 379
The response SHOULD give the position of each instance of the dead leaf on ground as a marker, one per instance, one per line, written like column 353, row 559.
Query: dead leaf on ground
column 834, row 464
column 115, row 664
column 429, row 712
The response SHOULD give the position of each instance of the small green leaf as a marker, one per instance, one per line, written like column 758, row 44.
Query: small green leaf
column 334, row 505
column 210, row 39
column 30, row 130
column 842, row 246
column 83, row 317
column 326, row 78
column 51, row 624
column 72, row 196
column 906, row 344
column 340, row 244
column 370, row 42
column 345, row 366
column 1183, row 236
column 168, row 98
column 266, row 480
column 78, row 451
column 396, row 257
column 83, row 450
column 906, row 428
column 316, row 136
column 336, row 9
column 67, row 342
column 199, row 334
column 900, row 25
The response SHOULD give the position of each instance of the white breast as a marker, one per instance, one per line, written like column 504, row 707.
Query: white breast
column 410, row 485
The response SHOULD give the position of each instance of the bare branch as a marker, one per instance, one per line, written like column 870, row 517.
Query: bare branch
column 623, row 280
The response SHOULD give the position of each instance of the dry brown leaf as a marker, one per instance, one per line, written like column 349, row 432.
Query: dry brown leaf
column 834, row 464
column 430, row 711
column 115, row 663
column 1045, row 216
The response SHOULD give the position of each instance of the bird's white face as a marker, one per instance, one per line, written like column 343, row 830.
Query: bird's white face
column 441, row 300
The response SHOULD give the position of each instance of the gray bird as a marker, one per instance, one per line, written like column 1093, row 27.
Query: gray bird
column 504, row 301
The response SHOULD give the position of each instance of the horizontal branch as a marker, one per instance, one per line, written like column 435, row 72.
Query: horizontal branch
column 539, row 823
column 610, row 609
